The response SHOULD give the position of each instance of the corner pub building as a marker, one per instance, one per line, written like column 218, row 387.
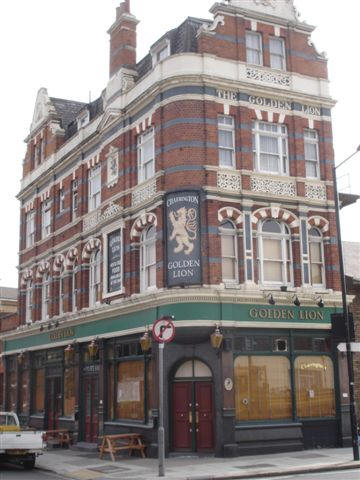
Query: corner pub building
column 198, row 185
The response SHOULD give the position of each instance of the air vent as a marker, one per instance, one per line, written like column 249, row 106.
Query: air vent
column 280, row 345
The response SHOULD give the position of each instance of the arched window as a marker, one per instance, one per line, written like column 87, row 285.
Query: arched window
column 29, row 301
column 229, row 254
column 61, row 290
column 275, row 253
column 94, row 278
column 148, row 259
column 316, row 257
column 45, row 296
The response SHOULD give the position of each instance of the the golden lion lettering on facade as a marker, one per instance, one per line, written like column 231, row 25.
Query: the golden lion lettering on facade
column 184, row 229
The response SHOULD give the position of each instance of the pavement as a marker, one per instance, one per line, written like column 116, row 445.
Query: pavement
column 82, row 465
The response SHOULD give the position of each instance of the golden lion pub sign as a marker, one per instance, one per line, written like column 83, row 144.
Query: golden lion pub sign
column 183, row 239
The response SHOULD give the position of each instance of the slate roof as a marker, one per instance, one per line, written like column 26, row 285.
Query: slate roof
column 67, row 109
column 182, row 39
column 352, row 259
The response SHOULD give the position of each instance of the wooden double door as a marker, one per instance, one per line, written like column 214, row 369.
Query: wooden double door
column 54, row 402
column 193, row 416
column 90, row 408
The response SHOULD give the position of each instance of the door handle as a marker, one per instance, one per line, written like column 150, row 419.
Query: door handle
column 190, row 417
column 197, row 417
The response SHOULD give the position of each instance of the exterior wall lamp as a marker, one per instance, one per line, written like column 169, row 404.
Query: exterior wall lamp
column 216, row 338
column 296, row 301
column 270, row 299
column 69, row 353
column 145, row 341
column 93, row 348
column 20, row 357
column 320, row 302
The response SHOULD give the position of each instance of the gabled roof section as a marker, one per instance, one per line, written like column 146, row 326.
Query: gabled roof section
column 278, row 8
column 43, row 109
column 182, row 39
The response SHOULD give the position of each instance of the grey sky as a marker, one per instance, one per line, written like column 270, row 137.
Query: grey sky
column 63, row 46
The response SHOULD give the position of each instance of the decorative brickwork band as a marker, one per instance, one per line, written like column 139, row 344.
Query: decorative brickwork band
column 277, row 213
column 144, row 221
column 42, row 268
column 319, row 222
column 91, row 245
column 58, row 263
column 232, row 214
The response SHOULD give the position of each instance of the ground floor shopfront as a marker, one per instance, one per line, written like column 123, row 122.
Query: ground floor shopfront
column 272, row 385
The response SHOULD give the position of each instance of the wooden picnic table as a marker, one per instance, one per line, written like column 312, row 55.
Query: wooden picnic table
column 61, row 437
column 124, row 441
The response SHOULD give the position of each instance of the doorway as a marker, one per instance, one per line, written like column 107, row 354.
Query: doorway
column 192, row 406
column 91, row 407
column 54, row 402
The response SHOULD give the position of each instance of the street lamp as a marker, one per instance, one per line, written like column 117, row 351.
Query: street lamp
column 346, row 317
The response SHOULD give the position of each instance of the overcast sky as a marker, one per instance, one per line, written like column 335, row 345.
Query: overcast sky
column 63, row 46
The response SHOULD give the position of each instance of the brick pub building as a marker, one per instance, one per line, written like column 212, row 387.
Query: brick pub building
column 198, row 185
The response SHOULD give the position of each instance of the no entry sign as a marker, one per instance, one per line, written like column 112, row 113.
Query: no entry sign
column 163, row 330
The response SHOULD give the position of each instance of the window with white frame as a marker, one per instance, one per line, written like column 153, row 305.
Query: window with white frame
column 94, row 279
column 226, row 141
column 270, row 147
column 311, row 145
column 274, row 253
column 277, row 53
column 45, row 295
column 61, row 290
column 74, row 199
column 73, row 290
column 148, row 259
column 29, row 301
column 94, row 189
column 229, row 256
column 160, row 52
column 46, row 218
column 316, row 248
column 61, row 200
column 254, row 54
column 146, row 155
column 30, row 228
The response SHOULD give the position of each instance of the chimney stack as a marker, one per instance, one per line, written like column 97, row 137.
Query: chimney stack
column 123, row 39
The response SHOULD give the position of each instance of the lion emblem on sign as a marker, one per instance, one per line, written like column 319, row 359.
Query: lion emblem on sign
column 184, row 229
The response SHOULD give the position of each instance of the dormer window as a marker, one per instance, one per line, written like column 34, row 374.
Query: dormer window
column 83, row 119
column 160, row 52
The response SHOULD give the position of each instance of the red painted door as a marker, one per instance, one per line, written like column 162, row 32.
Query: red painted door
column 182, row 416
column 204, row 416
column 54, row 403
column 91, row 399
column 193, row 425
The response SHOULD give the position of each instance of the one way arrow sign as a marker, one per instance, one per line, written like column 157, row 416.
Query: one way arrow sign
column 354, row 347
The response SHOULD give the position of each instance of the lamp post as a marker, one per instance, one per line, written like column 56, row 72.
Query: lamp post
column 346, row 317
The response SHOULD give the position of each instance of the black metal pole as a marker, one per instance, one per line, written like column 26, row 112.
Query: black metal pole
column 346, row 317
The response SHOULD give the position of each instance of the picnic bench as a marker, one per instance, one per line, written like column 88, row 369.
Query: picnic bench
column 125, row 441
column 60, row 437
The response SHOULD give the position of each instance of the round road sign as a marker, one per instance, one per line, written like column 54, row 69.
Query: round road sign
column 164, row 330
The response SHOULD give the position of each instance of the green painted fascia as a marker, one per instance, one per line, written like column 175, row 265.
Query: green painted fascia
column 216, row 312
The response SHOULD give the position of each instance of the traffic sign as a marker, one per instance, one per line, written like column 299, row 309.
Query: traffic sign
column 354, row 347
column 163, row 330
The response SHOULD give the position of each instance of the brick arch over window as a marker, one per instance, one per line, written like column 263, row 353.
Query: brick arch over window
column 42, row 269
column 230, row 213
column 146, row 220
column 59, row 262
column 277, row 213
column 71, row 257
column 319, row 222
column 25, row 277
column 91, row 245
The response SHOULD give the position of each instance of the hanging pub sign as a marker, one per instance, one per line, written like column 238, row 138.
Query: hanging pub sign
column 114, row 261
column 183, row 239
